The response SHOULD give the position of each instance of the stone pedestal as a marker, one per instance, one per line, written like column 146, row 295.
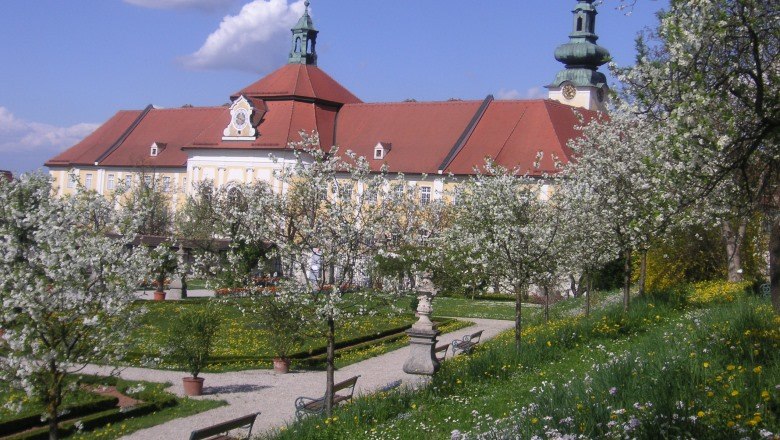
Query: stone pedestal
column 422, row 360
column 175, row 288
column 422, row 341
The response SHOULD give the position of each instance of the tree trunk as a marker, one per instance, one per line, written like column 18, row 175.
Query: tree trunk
column 53, row 401
column 642, row 271
column 774, row 261
column 518, row 315
column 590, row 292
column 331, row 367
column 733, row 240
column 53, row 427
column 626, row 279
column 183, row 286
column 546, row 304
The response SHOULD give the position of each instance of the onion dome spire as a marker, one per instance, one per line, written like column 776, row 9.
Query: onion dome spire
column 304, row 40
column 581, row 55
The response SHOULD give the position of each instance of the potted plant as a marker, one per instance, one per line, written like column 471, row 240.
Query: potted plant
column 287, row 321
column 165, row 262
column 190, row 342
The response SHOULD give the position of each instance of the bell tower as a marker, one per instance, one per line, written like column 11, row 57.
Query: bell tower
column 580, row 84
column 304, row 41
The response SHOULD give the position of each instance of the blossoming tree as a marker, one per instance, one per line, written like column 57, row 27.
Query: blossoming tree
column 327, row 210
column 66, row 288
column 710, row 74
column 501, row 215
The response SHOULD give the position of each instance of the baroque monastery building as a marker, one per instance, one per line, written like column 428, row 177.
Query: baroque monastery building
column 424, row 140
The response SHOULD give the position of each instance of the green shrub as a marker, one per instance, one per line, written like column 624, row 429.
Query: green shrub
column 191, row 337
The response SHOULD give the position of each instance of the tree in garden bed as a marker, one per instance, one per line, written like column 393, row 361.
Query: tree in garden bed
column 326, row 223
column 66, row 288
column 709, row 74
column 623, row 190
column 511, row 228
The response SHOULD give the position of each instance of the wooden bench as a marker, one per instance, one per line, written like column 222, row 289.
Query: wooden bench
column 307, row 405
column 220, row 430
column 441, row 352
column 467, row 343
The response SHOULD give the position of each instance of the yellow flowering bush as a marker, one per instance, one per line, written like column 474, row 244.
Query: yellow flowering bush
column 707, row 292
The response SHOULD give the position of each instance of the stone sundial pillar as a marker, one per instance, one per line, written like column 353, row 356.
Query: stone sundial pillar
column 422, row 336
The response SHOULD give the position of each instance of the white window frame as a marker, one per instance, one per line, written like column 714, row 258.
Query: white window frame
column 154, row 151
column 88, row 181
column 129, row 181
column 425, row 195
column 110, row 181
column 166, row 183
column 72, row 179
column 379, row 153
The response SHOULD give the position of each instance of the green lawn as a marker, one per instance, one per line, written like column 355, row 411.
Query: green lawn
column 240, row 343
column 710, row 370
column 477, row 308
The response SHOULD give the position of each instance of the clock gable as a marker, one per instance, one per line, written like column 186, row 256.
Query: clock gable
column 244, row 118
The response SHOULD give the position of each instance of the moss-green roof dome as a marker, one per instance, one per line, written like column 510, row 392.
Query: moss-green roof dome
column 581, row 55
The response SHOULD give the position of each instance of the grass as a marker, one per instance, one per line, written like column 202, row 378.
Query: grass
column 468, row 308
column 664, row 370
column 240, row 344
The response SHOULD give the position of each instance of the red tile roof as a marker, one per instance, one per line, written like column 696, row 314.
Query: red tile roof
column 174, row 127
column 281, row 124
column 425, row 136
column 513, row 132
column 421, row 133
column 300, row 81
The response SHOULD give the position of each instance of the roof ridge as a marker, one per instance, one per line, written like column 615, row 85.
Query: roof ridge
column 466, row 135
column 388, row 103
column 511, row 132
column 125, row 134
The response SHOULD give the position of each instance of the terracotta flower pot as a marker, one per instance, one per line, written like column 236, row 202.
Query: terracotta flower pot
column 159, row 295
column 193, row 386
column 281, row 366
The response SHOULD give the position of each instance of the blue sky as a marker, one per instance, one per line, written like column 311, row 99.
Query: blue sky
column 70, row 65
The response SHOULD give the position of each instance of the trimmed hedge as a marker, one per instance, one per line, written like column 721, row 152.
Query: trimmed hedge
column 27, row 422
column 98, row 420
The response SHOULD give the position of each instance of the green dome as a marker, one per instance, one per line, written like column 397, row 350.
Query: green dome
column 582, row 54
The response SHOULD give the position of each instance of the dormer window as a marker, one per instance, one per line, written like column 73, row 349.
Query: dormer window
column 156, row 149
column 381, row 150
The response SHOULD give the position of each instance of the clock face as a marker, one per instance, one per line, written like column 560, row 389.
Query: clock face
column 569, row 92
column 240, row 119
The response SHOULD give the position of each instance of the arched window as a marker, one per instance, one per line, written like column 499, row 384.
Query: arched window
column 592, row 25
column 298, row 45
column 308, row 46
column 236, row 197
column 579, row 24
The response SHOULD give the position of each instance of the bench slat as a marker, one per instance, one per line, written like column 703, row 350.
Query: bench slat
column 317, row 406
column 224, row 427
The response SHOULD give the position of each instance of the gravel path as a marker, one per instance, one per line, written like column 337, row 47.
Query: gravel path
column 274, row 394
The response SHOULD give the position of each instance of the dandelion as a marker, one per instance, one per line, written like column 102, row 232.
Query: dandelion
column 706, row 365
column 734, row 393
column 757, row 370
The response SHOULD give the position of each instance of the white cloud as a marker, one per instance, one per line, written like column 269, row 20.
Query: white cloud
column 205, row 5
column 20, row 136
column 254, row 40
column 532, row 93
